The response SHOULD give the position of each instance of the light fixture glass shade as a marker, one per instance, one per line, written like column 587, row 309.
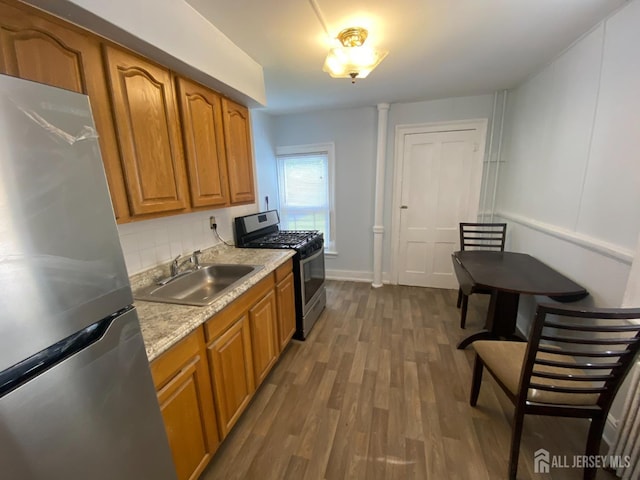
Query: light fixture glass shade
column 343, row 62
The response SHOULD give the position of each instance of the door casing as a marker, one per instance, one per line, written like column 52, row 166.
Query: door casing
column 480, row 126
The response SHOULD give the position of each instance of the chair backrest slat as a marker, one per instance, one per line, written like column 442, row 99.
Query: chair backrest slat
column 557, row 389
column 489, row 235
column 584, row 353
column 592, row 328
column 482, row 245
column 587, row 341
column 572, row 377
column 585, row 360
column 579, row 365
column 482, row 236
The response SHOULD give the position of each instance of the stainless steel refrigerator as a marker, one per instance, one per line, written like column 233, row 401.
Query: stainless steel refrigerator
column 76, row 396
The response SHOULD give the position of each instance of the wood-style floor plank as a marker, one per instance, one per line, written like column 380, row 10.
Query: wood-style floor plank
column 379, row 391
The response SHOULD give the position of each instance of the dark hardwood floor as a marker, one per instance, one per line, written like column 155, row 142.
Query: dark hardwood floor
column 379, row 391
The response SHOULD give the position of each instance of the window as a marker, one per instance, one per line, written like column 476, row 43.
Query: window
column 305, row 185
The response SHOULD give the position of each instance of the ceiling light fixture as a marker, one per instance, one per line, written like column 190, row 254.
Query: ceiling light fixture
column 353, row 59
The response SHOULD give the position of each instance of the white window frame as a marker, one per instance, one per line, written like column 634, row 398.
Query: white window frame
column 327, row 149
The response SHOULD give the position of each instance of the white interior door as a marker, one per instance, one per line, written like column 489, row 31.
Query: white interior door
column 441, row 176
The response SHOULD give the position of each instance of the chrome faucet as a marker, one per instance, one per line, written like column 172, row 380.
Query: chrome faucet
column 194, row 259
column 177, row 265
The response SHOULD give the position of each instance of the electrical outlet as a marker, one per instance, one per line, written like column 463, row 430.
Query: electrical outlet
column 212, row 222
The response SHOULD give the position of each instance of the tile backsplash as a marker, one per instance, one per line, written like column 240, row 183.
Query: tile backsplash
column 153, row 242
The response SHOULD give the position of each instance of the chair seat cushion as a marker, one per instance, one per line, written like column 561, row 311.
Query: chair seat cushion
column 505, row 361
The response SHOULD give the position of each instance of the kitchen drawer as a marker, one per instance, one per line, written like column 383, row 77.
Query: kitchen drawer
column 221, row 321
column 283, row 270
column 168, row 364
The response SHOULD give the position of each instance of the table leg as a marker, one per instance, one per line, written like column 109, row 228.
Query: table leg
column 501, row 319
column 503, row 313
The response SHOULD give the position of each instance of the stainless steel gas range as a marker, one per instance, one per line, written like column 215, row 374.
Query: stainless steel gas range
column 261, row 230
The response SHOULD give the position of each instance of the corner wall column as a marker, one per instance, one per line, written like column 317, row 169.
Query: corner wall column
column 378, row 227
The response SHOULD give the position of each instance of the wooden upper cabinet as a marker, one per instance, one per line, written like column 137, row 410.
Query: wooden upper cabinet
column 148, row 133
column 37, row 47
column 135, row 109
column 201, row 116
column 238, row 147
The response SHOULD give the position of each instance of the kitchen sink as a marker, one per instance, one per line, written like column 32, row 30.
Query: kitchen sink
column 200, row 287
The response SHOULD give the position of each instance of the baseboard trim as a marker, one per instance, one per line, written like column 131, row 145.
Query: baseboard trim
column 349, row 275
column 354, row 276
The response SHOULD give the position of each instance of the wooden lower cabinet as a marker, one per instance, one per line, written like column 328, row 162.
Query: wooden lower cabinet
column 264, row 336
column 181, row 377
column 243, row 347
column 206, row 381
column 232, row 373
column 285, row 299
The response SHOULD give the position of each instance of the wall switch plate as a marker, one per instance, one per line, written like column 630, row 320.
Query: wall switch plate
column 212, row 222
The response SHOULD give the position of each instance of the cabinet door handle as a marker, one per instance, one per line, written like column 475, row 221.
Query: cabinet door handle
column 404, row 207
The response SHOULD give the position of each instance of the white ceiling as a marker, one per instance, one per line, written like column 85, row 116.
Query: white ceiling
column 437, row 48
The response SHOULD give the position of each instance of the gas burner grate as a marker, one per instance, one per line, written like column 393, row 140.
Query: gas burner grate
column 287, row 237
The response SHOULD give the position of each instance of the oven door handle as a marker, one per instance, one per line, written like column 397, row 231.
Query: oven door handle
column 312, row 257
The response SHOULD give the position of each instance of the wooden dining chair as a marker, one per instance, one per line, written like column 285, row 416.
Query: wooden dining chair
column 572, row 366
column 478, row 236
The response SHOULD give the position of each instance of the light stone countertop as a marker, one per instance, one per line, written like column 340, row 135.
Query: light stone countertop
column 164, row 324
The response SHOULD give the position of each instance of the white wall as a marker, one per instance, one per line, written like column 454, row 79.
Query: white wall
column 153, row 242
column 570, row 182
column 174, row 34
column 571, row 173
column 449, row 109
column 632, row 292
column 262, row 130
column 353, row 132
column 158, row 29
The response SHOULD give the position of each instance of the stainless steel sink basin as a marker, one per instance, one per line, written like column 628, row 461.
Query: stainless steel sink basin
column 200, row 287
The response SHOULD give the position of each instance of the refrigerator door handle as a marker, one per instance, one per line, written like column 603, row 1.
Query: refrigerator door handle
column 31, row 367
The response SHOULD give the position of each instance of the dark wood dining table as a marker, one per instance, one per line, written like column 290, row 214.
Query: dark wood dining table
column 507, row 275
